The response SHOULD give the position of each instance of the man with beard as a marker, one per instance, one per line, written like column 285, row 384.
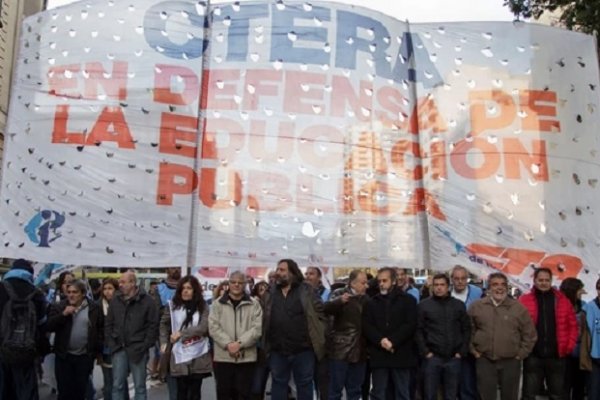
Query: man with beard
column 294, row 334
column 503, row 334
column 389, row 323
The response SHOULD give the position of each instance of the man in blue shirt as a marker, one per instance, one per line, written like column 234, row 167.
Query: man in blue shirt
column 404, row 284
column 467, row 293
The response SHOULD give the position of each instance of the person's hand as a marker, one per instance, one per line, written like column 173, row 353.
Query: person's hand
column 163, row 348
column 387, row 344
column 429, row 355
column 476, row 354
column 175, row 336
column 69, row 310
column 345, row 298
column 233, row 348
column 457, row 355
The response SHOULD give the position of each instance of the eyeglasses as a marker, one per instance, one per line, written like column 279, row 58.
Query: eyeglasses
column 236, row 282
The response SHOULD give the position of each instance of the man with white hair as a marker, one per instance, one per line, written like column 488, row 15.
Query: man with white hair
column 467, row 293
column 235, row 325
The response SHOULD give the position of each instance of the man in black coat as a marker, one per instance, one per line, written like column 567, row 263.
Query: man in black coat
column 389, row 324
column 130, row 330
column 443, row 334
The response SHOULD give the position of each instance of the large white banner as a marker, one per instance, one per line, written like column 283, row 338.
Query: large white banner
column 152, row 133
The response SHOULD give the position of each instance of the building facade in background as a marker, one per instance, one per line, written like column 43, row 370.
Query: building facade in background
column 12, row 13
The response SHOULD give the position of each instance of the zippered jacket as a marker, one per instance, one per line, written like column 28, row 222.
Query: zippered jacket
column 241, row 324
column 566, row 322
column 131, row 325
column 501, row 332
column 443, row 327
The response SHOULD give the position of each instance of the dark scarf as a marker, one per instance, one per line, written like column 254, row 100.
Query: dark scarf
column 190, row 309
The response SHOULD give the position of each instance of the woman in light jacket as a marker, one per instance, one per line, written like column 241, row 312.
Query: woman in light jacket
column 189, row 314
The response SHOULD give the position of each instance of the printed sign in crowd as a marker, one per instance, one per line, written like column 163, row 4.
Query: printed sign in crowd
column 153, row 133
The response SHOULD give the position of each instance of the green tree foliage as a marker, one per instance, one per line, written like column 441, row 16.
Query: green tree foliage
column 579, row 15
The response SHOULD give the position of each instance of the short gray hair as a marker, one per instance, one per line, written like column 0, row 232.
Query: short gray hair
column 458, row 267
column 238, row 273
column 80, row 285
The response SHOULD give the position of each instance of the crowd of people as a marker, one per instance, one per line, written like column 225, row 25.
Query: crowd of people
column 374, row 337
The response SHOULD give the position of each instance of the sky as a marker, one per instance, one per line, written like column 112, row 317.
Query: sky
column 419, row 10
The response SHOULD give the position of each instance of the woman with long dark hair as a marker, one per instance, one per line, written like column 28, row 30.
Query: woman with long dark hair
column 575, row 377
column 184, row 325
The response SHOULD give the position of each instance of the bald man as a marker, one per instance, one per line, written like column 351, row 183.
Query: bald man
column 131, row 329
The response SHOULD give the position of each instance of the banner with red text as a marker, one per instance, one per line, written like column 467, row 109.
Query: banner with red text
column 153, row 133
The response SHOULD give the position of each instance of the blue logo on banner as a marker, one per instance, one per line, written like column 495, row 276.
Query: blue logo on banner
column 42, row 229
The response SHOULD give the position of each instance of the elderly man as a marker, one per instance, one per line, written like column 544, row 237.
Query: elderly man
column 347, row 348
column 467, row 293
column 502, row 335
column 235, row 325
column 131, row 329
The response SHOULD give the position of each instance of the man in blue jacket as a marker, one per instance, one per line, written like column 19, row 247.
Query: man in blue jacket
column 467, row 293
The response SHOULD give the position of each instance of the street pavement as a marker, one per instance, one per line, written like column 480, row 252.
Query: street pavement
column 156, row 389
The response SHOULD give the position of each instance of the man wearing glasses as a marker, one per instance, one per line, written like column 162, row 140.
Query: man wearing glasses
column 235, row 324
column 462, row 290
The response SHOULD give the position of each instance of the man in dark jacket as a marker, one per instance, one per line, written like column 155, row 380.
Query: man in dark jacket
column 389, row 324
column 79, row 326
column 19, row 382
column 347, row 348
column 443, row 335
column 294, row 331
column 131, row 328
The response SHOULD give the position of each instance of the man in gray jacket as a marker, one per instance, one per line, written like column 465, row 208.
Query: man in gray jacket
column 131, row 329
column 235, row 325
